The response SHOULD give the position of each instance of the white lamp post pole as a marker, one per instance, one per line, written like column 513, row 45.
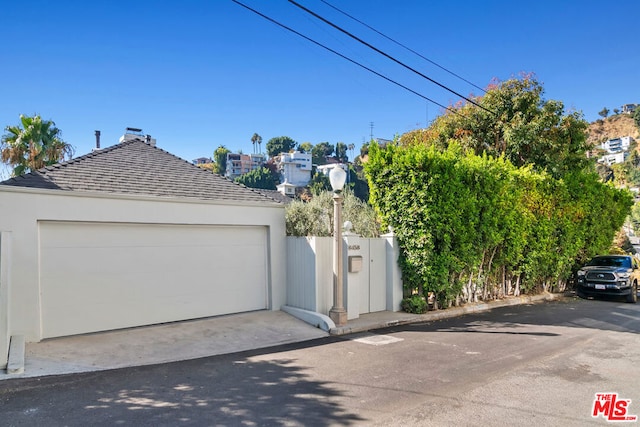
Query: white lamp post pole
column 337, row 313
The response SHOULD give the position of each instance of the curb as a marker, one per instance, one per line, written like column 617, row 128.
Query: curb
column 448, row 313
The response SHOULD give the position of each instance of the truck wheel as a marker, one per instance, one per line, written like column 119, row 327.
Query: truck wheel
column 633, row 296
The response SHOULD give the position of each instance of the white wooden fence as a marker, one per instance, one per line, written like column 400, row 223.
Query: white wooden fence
column 372, row 280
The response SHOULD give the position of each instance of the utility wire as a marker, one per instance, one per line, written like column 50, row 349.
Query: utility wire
column 343, row 56
column 400, row 44
column 387, row 55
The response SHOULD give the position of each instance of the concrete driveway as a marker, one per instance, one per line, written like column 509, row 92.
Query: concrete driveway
column 213, row 336
column 163, row 343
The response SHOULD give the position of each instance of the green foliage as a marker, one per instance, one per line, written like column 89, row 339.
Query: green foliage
column 477, row 226
column 220, row 160
column 519, row 125
column 604, row 112
column 358, row 182
column 341, row 152
column 319, row 183
column 320, row 152
column 364, row 150
column 280, row 144
column 416, row 304
column 626, row 173
column 258, row 178
column 636, row 117
column 305, row 147
column 634, row 217
column 315, row 218
column 33, row 144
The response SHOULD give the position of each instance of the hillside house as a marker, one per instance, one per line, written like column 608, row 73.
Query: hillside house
column 240, row 164
column 616, row 145
column 295, row 168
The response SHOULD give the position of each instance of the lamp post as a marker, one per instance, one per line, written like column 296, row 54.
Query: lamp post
column 338, row 314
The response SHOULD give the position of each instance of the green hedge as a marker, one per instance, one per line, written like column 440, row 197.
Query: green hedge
column 473, row 227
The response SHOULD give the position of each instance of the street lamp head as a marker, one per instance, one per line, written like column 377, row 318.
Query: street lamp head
column 337, row 177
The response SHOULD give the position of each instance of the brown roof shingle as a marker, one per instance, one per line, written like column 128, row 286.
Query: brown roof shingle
column 136, row 168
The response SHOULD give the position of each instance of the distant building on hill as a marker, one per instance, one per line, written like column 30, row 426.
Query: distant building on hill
column 201, row 161
column 295, row 168
column 611, row 159
column 617, row 150
column 239, row 164
column 629, row 108
column 616, row 145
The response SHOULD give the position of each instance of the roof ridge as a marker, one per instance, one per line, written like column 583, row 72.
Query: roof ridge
column 136, row 167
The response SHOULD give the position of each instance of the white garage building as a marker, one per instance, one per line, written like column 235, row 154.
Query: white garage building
column 131, row 235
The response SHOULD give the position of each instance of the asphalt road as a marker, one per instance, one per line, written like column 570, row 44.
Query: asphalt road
column 533, row 365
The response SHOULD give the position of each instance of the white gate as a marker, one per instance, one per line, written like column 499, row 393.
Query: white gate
column 372, row 280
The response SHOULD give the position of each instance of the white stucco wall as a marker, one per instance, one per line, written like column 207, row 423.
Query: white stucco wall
column 22, row 208
column 5, row 260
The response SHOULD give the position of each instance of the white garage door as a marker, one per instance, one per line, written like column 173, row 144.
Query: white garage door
column 102, row 276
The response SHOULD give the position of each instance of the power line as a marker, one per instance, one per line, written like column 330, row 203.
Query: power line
column 387, row 55
column 402, row 45
column 343, row 56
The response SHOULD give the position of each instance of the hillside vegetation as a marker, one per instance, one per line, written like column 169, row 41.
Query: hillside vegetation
column 612, row 127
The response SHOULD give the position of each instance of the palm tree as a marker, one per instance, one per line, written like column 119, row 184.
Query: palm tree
column 34, row 144
column 256, row 139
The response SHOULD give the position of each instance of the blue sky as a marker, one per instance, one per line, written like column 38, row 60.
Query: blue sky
column 200, row 74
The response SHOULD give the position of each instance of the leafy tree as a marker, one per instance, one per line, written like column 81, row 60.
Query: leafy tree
column 636, row 117
column 273, row 168
column 604, row 113
column 605, row 172
column 319, row 183
column 280, row 144
column 364, row 150
column 358, row 182
column 33, row 144
column 315, row 218
column 635, row 218
column 256, row 139
column 305, row 147
column 320, row 153
column 519, row 124
column 616, row 111
column 341, row 152
column 258, row 178
column 220, row 160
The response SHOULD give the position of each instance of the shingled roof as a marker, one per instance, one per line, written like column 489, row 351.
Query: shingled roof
column 135, row 167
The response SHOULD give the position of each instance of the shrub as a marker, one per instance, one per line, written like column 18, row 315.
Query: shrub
column 315, row 218
column 416, row 304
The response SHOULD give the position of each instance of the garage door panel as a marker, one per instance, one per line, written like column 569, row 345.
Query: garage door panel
column 97, row 276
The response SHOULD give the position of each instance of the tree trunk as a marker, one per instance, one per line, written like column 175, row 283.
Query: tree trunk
column 475, row 287
column 469, row 288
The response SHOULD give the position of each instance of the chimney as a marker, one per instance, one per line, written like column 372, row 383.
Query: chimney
column 150, row 141
column 97, row 140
